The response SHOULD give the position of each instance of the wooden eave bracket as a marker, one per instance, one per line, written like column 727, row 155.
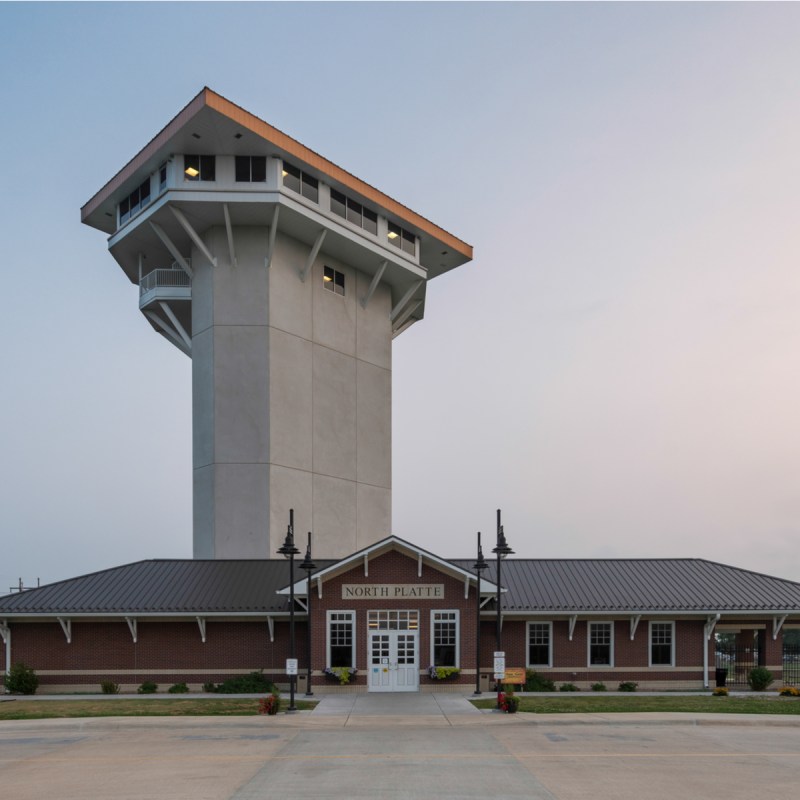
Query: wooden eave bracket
column 193, row 235
column 173, row 250
column 376, row 279
column 273, row 232
column 313, row 254
column 419, row 565
column 572, row 620
column 201, row 623
column 271, row 628
column 66, row 626
column 635, row 624
column 229, row 231
column 5, row 632
column 366, row 565
column 777, row 624
column 319, row 588
column 466, row 586
column 711, row 623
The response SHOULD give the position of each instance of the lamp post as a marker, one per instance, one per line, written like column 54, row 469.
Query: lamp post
column 502, row 550
column 288, row 550
column 309, row 566
column 479, row 566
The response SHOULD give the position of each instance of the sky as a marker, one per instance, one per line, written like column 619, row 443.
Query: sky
column 617, row 369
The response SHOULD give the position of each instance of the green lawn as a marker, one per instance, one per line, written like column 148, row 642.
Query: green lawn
column 701, row 704
column 47, row 709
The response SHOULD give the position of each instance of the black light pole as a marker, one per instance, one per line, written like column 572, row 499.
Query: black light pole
column 288, row 550
column 479, row 566
column 309, row 566
column 502, row 550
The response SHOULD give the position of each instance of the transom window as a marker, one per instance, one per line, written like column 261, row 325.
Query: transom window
column 539, row 640
column 340, row 638
column 300, row 182
column 444, row 638
column 601, row 644
column 200, row 168
column 662, row 640
column 135, row 201
column 354, row 212
column 402, row 238
column 393, row 620
column 333, row 280
column 251, row 169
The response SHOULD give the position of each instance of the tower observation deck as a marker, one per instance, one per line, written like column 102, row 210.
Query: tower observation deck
column 284, row 278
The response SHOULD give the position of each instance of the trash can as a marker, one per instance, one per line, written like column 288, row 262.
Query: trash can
column 721, row 675
column 486, row 682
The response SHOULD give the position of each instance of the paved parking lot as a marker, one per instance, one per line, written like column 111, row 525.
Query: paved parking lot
column 344, row 752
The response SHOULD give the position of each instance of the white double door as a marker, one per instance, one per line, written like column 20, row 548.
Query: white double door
column 393, row 661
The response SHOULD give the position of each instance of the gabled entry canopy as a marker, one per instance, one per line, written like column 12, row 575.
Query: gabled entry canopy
column 424, row 558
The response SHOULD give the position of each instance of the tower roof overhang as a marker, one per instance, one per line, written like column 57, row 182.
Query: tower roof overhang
column 225, row 128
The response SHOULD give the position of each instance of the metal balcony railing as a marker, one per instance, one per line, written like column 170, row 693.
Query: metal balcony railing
column 171, row 278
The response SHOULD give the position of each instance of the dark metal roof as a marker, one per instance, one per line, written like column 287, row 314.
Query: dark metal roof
column 538, row 586
column 677, row 584
column 163, row 587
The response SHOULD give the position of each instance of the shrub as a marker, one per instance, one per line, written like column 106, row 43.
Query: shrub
column 109, row 687
column 720, row 691
column 21, row 679
column 178, row 688
column 209, row 687
column 271, row 704
column 759, row 678
column 341, row 674
column 598, row 687
column 534, row 682
column 148, row 687
column 627, row 686
column 789, row 691
column 568, row 687
column 252, row 683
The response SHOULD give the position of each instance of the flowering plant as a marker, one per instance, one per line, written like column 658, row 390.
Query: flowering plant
column 789, row 691
column 341, row 674
column 270, row 704
column 442, row 673
column 508, row 702
column 720, row 691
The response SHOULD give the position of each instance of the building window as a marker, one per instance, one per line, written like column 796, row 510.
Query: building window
column 200, row 168
column 662, row 644
column 444, row 638
column 340, row 639
column 354, row 212
column 134, row 202
column 300, row 182
column 539, row 639
column 333, row 280
column 601, row 644
column 393, row 620
column 251, row 169
column 403, row 239
column 162, row 178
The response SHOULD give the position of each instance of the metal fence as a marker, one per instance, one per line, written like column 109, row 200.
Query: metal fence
column 733, row 664
column 791, row 664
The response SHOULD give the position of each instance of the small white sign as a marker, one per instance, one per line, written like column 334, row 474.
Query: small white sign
column 291, row 666
column 499, row 665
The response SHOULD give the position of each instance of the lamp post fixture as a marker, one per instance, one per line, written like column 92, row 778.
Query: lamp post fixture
column 480, row 565
column 502, row 550
column 309, row 566
column 288, row 550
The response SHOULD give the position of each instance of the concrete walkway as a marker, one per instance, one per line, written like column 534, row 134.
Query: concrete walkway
column 386, row 704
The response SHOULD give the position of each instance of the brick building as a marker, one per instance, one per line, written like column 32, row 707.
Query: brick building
column 391, row 611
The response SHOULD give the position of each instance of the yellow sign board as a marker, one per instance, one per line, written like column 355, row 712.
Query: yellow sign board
column 515, row 676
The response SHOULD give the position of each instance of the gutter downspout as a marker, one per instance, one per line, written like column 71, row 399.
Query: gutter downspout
column 5, row 633
column 708, row 629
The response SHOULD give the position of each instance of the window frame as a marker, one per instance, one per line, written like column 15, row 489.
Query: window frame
column 328, row 621
column 457, row 645
column 207, row 161
column 528, row 661
column 331, row 283
column 135, row 208
column 308, row 184
column 349, row 206
column 237, row 160
column 401, row 236
column 671, row 624
column 589, row 625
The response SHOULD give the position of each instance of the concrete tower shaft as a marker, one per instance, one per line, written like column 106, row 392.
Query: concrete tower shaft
column 285, row 279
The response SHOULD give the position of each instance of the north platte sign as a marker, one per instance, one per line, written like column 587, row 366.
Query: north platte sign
column 392, row 591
